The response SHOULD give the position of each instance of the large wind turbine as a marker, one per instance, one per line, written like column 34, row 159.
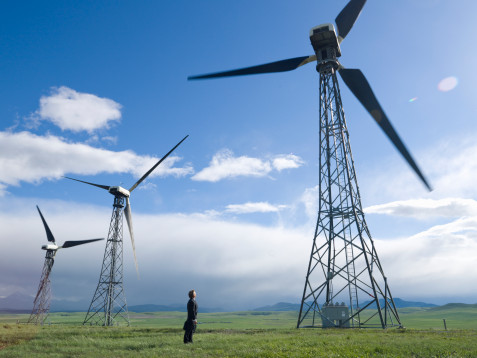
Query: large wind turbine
column 344, row 265
column 41, row 304
column 109, row 302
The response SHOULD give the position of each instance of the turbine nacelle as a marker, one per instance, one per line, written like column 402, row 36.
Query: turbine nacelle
column 52, row 247
column 119, row 191
column 325, row 42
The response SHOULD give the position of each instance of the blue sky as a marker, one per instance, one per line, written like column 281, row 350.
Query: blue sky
column 98, row 91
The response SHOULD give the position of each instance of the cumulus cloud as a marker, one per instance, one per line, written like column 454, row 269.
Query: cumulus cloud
column 259, row 207
column 427, row 208
column 288, row 161
column 30, row 158
column 225, row 165
column 76, row 111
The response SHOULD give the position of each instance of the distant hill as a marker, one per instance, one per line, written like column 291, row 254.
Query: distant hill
column 284, row 306
column 170, row 308
column 451, row 306
column 400, row 303
column 279, row 307
column 21, row 303
column 156, row 308
column 14, row 311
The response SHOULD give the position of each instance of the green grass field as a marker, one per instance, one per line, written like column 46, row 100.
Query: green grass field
column 242, row 334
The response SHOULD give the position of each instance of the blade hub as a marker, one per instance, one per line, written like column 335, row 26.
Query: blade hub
column 327, row 66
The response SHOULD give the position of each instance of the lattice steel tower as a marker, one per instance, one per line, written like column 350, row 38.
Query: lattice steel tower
column 108, row 306
column 344, row 266
column 41, row 304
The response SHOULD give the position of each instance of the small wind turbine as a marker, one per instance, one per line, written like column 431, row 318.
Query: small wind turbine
column 109, row 300
column 41, row 304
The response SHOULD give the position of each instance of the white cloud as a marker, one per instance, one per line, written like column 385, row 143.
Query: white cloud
column 309, row 199
column 427, row 208
column 75, row 111
column 27, row 157
column 450, row 166
column 233, row 261
column 110, row 139
column 438, row 262
column 235, row 264
column 224, row 165
column 94, row 139
column 454, row 166
column 288, row 161
column 147, row 186
column 259, row 207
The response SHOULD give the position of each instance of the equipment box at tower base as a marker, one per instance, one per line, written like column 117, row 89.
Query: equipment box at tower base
column 335, row 315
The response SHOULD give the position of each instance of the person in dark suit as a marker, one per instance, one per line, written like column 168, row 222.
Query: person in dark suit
column 191, row 323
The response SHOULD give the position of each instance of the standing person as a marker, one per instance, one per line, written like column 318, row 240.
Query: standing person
column 190, row 324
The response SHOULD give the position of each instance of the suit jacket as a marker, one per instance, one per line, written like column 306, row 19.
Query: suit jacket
column 192, row 310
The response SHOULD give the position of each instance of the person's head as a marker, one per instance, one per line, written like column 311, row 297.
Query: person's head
column 192, row 294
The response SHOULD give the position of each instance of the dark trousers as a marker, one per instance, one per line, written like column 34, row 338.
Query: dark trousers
column 188, row 336
column 189, row 332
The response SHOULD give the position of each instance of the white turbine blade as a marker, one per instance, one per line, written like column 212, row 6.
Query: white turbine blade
column 127, row 212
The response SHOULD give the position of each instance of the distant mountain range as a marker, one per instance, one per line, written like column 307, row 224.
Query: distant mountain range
column 168, row 308
column 280, row 306
column 403, row 304
column 20, row 303
column 284, row 306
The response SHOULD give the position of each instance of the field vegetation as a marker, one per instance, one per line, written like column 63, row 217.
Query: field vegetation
column 242, row 334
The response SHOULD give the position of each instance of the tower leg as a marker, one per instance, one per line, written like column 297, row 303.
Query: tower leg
column 108, row 306
column 345, row 285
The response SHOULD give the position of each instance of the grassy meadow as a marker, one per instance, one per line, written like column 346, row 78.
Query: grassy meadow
column 242, row 334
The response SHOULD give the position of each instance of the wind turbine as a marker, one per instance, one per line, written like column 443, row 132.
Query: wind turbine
column 109, row 301
column 41, row 304
column 343, row 263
